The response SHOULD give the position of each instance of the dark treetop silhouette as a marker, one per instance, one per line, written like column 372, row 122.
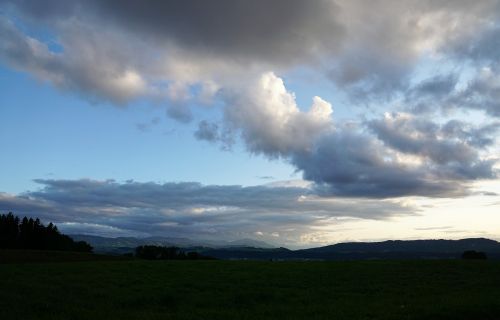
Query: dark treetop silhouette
column 167, row 253
column 32, row 234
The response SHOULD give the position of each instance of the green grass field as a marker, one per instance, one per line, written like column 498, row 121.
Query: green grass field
column 131, row 289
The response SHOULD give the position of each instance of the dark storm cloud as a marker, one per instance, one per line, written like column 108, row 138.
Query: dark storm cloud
column 170, row 195
column 75, row 69
column 47, row 9
column 431, row 94
column 369, row 49
column 118, row 51
column 280, row 30
column 406, row 156
column 122, row 50
column 481, row 92
column 480, row 48
column 189, row 209
column 451, row 142
column 477, row 136
column 399, row 155
column 356, row 165
column 440, row 85
column 20, row 52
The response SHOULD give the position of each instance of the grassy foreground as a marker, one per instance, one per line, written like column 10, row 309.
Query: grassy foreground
column 250, row 290
column 38, row 256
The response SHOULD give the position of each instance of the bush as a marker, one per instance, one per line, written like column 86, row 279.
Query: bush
column 166, row 253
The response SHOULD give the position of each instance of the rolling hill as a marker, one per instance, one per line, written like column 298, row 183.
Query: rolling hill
column 257, row 250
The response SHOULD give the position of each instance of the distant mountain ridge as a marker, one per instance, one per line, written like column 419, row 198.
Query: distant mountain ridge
column 404, row 249
column 258, row 250
column 127, row 244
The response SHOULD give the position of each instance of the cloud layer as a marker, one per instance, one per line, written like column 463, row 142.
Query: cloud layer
column 398, row 155
column 281, row 214
column 234, row 53
column 368, row 49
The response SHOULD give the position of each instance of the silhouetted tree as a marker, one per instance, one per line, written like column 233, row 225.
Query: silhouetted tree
column 9, row 230
column 193, row 255
column 157, row 252
column 32, row 234
column 166, row 253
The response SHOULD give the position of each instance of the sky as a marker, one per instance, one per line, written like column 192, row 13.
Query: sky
column 298, row 123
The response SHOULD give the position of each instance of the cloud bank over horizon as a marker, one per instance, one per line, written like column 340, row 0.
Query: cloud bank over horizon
column 279, row 214
column 423, row 74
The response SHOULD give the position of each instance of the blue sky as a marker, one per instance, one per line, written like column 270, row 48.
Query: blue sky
column 297, row 123
column 53, row 134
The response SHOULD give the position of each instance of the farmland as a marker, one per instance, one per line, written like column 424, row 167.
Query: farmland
column 68, row 288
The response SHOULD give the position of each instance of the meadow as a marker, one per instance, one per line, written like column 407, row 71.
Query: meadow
column 136, row 289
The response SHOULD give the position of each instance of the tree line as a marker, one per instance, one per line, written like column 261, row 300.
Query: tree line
column 29, row 233
column 150, row 252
